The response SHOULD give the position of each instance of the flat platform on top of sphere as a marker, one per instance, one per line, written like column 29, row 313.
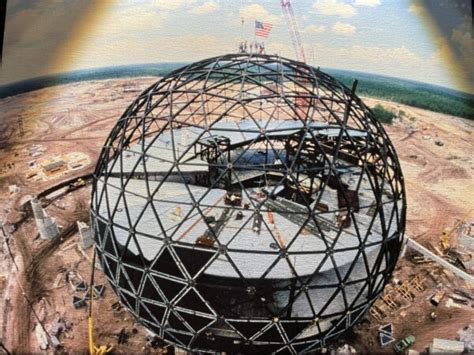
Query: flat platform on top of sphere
column 174, row 202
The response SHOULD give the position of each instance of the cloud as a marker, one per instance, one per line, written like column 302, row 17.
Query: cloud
column 258, row 12
column 398, row 61
column 207, row 7
column 344, row 28
column 127, row 21
column 393, row 61
column 334, row 8
column 169, row 4
column 370, row 3
column 314, row 29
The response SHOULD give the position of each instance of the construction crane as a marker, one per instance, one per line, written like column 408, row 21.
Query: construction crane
column 302, row 102
column 293, row 30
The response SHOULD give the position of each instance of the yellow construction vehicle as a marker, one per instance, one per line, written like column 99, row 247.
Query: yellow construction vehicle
column 79, row 182
column 446, row 235
column 102, row 350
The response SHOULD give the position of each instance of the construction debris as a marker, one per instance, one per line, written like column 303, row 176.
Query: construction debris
column 47, row 226
column 437, row 297
column 388, row 329
column 459, row 299
column 443, row 346
column 441, row 261
column 386, row 334
column 86, row 235
column 81, row 286
column 385, row 339
column 122, row 336
column 466, row 335
column 97, row 291
column 346, row 349
column 41, row 337
column 153, row 341
column 13, row 189
column 56, row 329
column 78, row 302
column 116, row 307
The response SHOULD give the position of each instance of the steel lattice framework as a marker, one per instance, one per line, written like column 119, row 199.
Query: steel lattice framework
column 248, row 203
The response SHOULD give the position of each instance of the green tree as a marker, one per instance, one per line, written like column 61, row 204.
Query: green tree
column 382, row 114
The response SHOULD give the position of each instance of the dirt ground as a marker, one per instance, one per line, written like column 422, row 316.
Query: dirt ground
column 435, row 151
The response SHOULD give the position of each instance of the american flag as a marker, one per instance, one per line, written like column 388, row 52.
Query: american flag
column 262, row 29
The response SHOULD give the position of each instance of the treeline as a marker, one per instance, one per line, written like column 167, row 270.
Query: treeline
column 20, row 87
column 425, row 96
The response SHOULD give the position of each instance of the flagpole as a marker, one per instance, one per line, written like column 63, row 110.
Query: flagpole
column 255, row 36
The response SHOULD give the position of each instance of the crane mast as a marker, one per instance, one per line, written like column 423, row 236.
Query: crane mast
column 293, row 30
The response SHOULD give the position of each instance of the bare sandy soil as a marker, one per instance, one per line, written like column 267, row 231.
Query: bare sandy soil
column 435, row 151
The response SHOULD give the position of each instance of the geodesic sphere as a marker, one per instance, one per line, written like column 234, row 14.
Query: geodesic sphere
column 248, row 203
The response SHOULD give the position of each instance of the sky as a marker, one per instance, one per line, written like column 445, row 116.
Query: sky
column 389, row 37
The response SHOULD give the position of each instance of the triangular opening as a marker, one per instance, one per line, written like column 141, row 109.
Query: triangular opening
column 128, row 300
column 184, row 338
column 111, row 267
column 193, row 259
column 248, row 329
column 167, row 265
column 292, row 329
column 154, row 310
column 135, row 277
column 192, row 301
column 250, row 266
column 169, row 288
column 194, row 321
column 388, row 329
column 356, row 314
column 271, row 334
column 385, row 339
column 176, row 323
column 144, row 313
column 150, row 291
column 300, row 348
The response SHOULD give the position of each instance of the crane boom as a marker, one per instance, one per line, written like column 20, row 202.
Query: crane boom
column 293, row 30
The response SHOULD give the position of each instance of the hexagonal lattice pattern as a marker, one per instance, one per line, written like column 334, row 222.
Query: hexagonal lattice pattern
column 248, row 203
